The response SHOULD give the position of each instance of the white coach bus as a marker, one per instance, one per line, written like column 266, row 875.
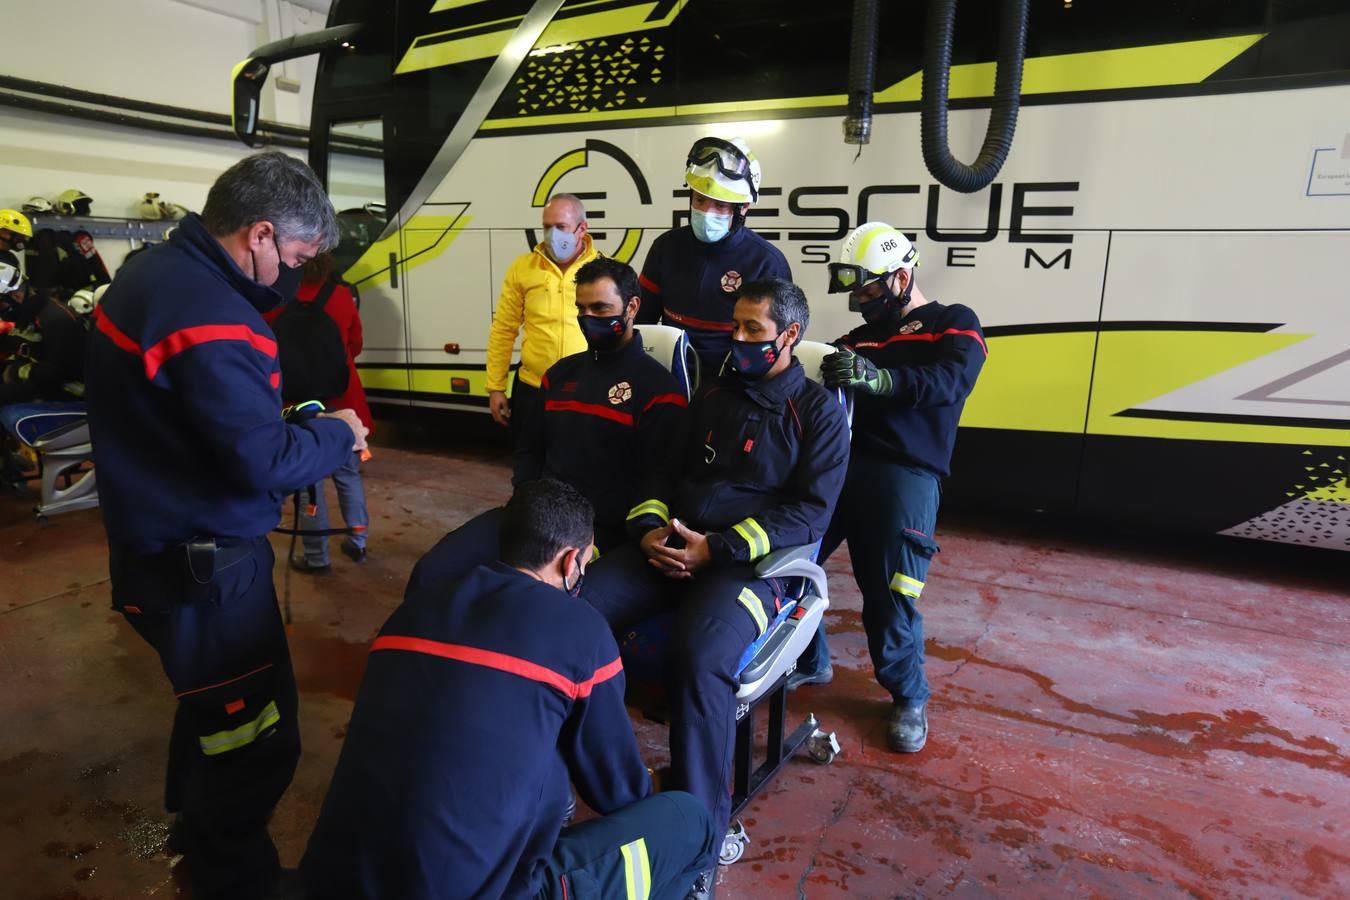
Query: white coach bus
column 1162, row 266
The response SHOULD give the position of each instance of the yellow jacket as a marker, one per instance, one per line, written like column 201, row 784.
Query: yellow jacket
column 536, row 294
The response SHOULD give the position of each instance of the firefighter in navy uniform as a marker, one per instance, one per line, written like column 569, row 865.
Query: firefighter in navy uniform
column 911, row 367
column 194, row 460
column 763, row 464
column 693, row 275
column 480, row 701
column 610, row 423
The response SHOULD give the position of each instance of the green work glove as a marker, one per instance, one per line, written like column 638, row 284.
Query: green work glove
column 846, row 369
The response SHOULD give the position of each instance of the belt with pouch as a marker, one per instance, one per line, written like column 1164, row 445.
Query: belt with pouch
column 207, row 557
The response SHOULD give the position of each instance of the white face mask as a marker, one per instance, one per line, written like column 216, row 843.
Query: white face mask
column 561, row 245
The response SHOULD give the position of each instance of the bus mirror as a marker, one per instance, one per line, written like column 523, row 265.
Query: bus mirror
column 249, row 76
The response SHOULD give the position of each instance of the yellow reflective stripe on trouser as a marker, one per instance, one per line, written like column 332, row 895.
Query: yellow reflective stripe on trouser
column 903, row 584
column 754, row 536
column 755, row 608
column 651, row 507
column 637, row 870
column 224, row 741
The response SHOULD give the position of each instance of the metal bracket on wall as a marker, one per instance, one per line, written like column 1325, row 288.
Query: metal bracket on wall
column 145, row 230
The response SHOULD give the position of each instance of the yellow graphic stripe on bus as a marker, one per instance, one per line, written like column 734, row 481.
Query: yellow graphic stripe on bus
column 1134, row 367
column 1187, row 62
column 566, row 163
column 423, row 239
column 632, row 239
column 424, row 381
column 1033, row 382
column 587, row 26
column 443, row 5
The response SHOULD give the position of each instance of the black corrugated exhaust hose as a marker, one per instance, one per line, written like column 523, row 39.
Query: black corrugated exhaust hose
column 862, row 67
column 937, row 57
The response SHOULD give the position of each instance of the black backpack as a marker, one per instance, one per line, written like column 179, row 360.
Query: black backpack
column 313, row 356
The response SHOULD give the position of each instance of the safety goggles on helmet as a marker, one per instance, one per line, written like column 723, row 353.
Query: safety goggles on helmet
column 846, row 278
column 729, row 160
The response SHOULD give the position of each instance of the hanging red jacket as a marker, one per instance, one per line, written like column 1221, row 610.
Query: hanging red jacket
column 341, row 308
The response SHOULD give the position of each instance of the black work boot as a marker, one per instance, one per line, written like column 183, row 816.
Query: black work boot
column 704, row 886
column 799, row 678
column 908, row 730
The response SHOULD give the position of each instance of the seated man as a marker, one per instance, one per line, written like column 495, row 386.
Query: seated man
column 478, row 702
column 764, row 462
column 609, row 423
column 42, row 338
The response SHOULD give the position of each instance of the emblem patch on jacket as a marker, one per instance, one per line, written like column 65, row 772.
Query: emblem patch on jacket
column 731, row 281
column 911, row 327
column 621, row 392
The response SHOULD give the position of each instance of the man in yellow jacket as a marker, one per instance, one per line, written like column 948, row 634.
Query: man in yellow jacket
column 540, row 294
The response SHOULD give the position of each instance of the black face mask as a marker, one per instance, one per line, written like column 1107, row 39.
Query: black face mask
column 288, row 280
column 603, row 333
column 752, row 360
column 574, row 589
column 887, row 308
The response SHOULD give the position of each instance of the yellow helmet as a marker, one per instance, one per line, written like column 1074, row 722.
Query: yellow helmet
column 15, row 221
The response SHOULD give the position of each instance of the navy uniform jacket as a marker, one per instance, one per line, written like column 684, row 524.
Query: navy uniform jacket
column 764, row 465
column 184, row 395
column 934, row 355
column 612, row 425
column 694, row 286
column 477, row 705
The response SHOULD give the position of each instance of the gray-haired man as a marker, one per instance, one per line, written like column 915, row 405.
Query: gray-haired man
column 194, row 460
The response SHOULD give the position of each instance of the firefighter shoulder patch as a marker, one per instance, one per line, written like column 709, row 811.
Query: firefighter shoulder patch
column 620, row 393
column 911, row 327
column 731, row 281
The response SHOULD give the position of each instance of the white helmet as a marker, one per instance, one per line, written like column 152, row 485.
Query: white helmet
column 874, row 250
column 82, row 302
column 37, row 204
column 723, row 170
column 10, row 274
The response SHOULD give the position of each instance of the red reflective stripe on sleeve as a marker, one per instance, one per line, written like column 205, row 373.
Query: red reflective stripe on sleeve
column 276, row 380
column 233, row 707
column 602, row 674
column 502, row 662
column 113, row 333
column 588, row 409
column 930, row 338
column 701, row 324
column 649, row 284
column 187, row 338
column 672, row 399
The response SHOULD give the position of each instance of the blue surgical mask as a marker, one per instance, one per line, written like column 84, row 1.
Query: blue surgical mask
column 710, row 227
column 560, row 244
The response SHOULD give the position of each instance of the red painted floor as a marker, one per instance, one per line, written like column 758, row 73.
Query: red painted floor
column 1110, row 718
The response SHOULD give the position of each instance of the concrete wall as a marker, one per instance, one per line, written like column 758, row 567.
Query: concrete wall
column 178, row 52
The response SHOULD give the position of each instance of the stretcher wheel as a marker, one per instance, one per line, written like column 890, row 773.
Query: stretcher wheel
column 733, row 845
column 823, row 746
